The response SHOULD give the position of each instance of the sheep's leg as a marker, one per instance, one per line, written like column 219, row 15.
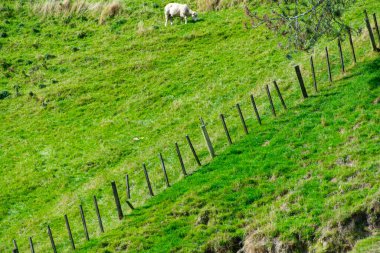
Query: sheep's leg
column 171, row 20
column 166, row 20
column 185, row 20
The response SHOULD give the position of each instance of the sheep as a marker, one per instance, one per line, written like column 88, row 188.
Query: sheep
column 178, row 10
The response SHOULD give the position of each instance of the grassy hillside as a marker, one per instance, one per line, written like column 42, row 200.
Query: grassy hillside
column 307, row 180
column 98, row 100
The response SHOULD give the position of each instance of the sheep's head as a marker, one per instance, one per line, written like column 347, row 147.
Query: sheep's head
column 194, row 15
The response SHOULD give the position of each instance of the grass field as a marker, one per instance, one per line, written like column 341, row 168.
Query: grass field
column 96, row 101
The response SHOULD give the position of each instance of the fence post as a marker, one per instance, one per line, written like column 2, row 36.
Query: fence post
column 242, row 118
column 351, row 44
column 15, row 244
column 128, row 189
column 313, row 73
column 270, row 100
column 164, row 169
column 69, row 232
column 84, row 222
column 31, row 245
column 51, row 239
column 376, row 26
column 207, row 139
column 279, row 95
column 226, row 129
column 98, row 215
column 371, row 37
column 255, row 109
column 193, row 150
column 147, row 180
column 341, row 55
column 180, row 159
column 300, row 80
column 328, row 64
column 117, row 200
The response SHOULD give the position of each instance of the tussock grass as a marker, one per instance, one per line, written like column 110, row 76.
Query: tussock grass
column 102, row 10
column 212, row 5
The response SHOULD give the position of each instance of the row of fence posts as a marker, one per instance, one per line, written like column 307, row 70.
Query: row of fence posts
column 208, row 140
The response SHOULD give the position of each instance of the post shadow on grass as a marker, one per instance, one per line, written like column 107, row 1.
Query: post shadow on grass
column 130, row 204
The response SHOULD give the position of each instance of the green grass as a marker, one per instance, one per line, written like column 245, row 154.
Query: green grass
column 106, row 85
column 293, row 179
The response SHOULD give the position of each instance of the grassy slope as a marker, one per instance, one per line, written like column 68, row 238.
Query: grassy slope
column 58, row 156
column 294, row 179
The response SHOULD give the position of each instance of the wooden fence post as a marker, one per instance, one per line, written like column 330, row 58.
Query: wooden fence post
column 226, row 129
column 328, row 64
column 180, row 159
column 371, row 37
column 270, row 100
column 279, row 95
column 207, row 139
column 69, row 232
column 98, row 215
column 376, row 26
column 242, row 118
column 117, row 200
column 351, row 44
column 300, row 80
column 255, row 109
column 15, row 244
column 341, row 55
column 84, row 222
column 164, row 170
column 51, row 239
column 31, row 245
column 193, row 150
column 147, row 180
column 128, row 189
column 313, row 73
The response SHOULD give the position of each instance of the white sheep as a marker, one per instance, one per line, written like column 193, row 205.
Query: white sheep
column 178, row 10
